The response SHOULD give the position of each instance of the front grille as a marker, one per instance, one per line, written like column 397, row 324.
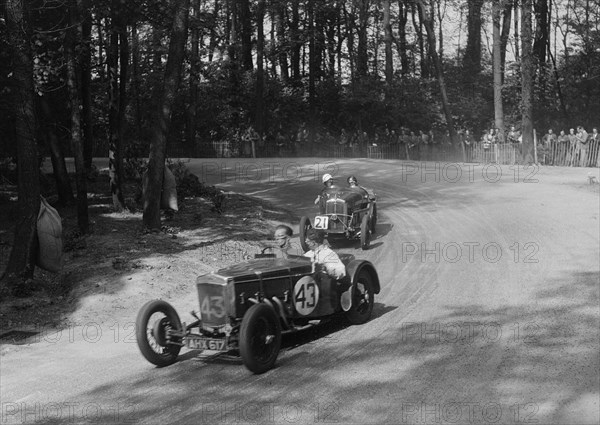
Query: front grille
column 340, row 209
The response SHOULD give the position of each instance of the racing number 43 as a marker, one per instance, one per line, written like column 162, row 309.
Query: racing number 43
column 306, row 295
column 212, row 307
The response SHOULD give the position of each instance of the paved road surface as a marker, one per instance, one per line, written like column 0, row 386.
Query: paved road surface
column 488, row 313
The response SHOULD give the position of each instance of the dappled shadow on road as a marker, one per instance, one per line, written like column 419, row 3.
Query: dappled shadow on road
column 499, row 364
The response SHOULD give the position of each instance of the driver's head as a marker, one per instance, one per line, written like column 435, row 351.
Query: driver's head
column 352, row 181
column 282, row 235
column 314, row 238
column 327, row 179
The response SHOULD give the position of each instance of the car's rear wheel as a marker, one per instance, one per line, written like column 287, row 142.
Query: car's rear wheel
column 154, row 320
column 374, row 218
column 365, row 232
column 363, row 299
column 304, row 226
column 260, row 338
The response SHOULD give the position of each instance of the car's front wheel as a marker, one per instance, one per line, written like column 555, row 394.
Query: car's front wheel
column 260, row 338
column 363, row 299
column 154, row 320
column 304, row 226
column 374, row 218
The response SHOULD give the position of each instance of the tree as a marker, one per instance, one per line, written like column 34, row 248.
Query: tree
column 72, row 41
column 497, row 66
column 428, row 23
column 389, row 64
column 166, row 98
column 472, row 58
column 21, row 262
column 527, row 70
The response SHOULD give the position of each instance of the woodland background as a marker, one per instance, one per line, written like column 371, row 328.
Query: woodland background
column 129, row 79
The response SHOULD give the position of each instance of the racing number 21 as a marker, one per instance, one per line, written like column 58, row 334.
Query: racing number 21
column 306, row 295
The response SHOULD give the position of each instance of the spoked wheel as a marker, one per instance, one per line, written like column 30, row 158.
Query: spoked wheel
column 374, row 218
column 365, row 232
column 304, row 226
column 153, row 322
column 363, row 299
column 260, row 338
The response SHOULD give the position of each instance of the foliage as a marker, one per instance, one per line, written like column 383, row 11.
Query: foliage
column 188, row 185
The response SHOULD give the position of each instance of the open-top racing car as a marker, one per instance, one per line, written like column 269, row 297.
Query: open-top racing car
column 349, row 212
column 245, row 308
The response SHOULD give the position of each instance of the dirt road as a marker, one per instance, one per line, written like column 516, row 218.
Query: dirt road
column 488, row 313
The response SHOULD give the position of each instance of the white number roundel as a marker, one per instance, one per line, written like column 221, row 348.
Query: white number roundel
column 306, row 295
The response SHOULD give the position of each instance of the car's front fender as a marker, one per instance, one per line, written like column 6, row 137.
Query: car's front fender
column 354, row 268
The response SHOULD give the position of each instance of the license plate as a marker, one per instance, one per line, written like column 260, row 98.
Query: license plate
column 321, row 222
column 199, row 343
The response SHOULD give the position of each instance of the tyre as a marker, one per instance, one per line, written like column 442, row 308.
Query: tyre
column 365, row 232
column 153, row 321
column 374, row 218
column 260, row 338
column 304, row 226
column 363, row 299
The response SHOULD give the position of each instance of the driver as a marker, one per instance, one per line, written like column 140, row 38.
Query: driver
column 282, row 237
column 322, row 255
column 327, row 183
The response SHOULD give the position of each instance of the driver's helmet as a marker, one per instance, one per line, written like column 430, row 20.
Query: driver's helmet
column 326, row 178
column 352, row 181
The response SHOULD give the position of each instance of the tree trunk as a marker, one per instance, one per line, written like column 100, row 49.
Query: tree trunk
column 63, row 183
column 506, row 21
column 72, row 40
column 428, row 23
column 194, row 79
column 497, row 67
column 402, row 20
column 362, row 53
column 115, row 159
column 389, row 60
column 296, row 44
column 246, row 38
column 21, row 262
column 516, row 31
column 166, row 95
column 281, row 41
column 86, row 81
column 260, row 71
column 213, row 30
column 416, row 11
column 541, row 31
column 135, row 80
column 527, row 70
column 472, row 58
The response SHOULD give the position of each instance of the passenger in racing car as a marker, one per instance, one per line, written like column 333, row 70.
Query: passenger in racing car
column 324, row 256
column 353, row 184
column 327, row 183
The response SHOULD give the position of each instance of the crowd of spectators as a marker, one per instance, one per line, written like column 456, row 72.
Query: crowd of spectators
column 578, row 148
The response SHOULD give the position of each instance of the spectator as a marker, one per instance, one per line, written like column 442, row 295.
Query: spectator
column 582, row 143
column 563, row 147
column 594, row 146
column 548, row 146
column 513, row 135
column 573, row 152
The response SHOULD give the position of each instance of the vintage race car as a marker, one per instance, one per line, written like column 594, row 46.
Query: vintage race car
column 349, row 212
column 245, row 308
